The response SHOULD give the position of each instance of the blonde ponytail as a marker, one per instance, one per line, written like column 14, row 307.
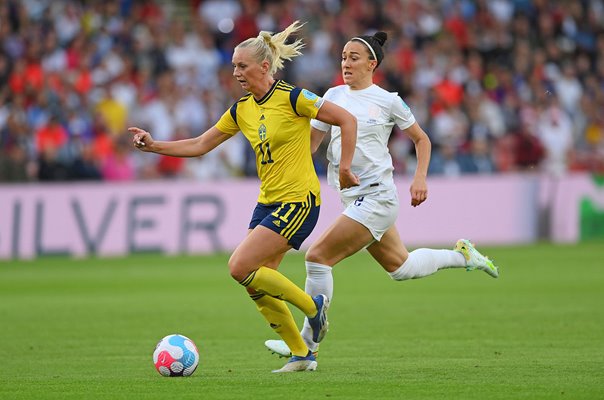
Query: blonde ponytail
column 273, row 47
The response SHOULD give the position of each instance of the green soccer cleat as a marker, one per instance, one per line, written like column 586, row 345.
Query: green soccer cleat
column 475, row 260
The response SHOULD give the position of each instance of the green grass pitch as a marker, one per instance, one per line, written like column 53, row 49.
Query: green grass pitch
column 86, row 329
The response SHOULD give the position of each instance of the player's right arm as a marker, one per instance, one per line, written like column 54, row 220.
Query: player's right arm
column 193, row 147
column 332, row 114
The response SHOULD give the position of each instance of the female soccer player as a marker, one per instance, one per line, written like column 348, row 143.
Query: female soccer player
column 275, row 117
column 371, row 208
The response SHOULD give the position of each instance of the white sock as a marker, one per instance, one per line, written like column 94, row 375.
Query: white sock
column 424, row 262
column 318, row 281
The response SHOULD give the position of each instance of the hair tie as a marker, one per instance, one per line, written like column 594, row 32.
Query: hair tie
column 267, row 38
column 368, row 45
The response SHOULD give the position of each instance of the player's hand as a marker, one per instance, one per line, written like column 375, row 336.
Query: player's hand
column 348, row 179
column 142, row 139
column 419, row 191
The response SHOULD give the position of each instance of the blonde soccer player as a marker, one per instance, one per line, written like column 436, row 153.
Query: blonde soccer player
column 274, row 116
column 371, row 208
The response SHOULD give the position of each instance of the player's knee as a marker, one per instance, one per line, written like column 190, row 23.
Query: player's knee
column 238, row 269
column 322, row 255
column 314, row 255
column 393, row 261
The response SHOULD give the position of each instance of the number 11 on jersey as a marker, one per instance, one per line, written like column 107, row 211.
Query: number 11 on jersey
column 265, row 150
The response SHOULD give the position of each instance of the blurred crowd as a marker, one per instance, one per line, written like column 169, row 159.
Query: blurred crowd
column 499, row 85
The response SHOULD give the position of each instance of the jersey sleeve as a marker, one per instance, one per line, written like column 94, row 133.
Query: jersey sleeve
column 320, row 125
column 307, row 103
column 401, row 113
column 228, row 122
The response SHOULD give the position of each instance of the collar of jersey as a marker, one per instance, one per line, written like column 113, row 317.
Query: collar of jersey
column 268, row 94
column 357, row 91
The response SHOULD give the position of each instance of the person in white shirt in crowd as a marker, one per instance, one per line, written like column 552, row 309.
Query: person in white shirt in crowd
column 555, row 130
column 371, row 209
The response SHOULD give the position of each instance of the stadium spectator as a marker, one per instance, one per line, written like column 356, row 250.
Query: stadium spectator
column 445, row 161
column 119, row 164
column 275, row 118
column 527, row 149
column 554, row 129
column 501, row 54
column 51, row 135
column 477, row 159
column 113, row 111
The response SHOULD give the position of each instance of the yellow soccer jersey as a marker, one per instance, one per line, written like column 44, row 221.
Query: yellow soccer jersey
column 278, row 128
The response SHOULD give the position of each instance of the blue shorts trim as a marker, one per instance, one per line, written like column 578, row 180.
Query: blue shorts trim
column 293, row 221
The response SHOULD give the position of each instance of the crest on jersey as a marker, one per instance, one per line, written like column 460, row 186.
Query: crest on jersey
column 262, row 132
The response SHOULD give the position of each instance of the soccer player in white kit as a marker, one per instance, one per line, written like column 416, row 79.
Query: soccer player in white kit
column 372, row 207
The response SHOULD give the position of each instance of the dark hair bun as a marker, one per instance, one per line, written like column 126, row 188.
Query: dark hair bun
column 380, row 37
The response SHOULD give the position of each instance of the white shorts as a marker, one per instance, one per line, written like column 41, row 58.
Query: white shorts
column 376, row 211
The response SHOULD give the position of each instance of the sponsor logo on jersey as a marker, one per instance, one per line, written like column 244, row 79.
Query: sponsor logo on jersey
column 277, row 223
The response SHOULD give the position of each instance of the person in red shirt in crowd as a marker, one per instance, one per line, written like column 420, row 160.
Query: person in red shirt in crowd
column 51, row 135
column 50, row 139
column 528, row 149
column 102, row 144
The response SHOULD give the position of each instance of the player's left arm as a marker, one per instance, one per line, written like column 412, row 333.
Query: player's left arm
column 423, row 147
column 333, row 114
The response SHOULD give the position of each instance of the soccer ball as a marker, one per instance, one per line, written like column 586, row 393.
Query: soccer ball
column 176, row 355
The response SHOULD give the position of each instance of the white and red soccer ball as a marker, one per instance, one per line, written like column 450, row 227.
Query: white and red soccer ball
column 176, row 355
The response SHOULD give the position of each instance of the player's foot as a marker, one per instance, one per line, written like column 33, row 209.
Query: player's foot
column 280, row 348
column 298, row 364
column 319, row 323
column 475, row 260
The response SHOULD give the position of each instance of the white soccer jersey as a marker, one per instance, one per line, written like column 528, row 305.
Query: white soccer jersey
column 376, row 110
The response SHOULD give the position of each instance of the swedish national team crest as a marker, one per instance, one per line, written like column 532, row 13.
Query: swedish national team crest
column 262, row 132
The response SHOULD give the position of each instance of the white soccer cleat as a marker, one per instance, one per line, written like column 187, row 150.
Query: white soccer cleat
column 475, row 260
column 278, row 347
column 299, row 364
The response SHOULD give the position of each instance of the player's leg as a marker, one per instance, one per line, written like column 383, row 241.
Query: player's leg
column 392, row 255
column 246, row 266
column 274, row 310
column 277, row 314
column 342, row 239
column 275, row 229
column 365, row 219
